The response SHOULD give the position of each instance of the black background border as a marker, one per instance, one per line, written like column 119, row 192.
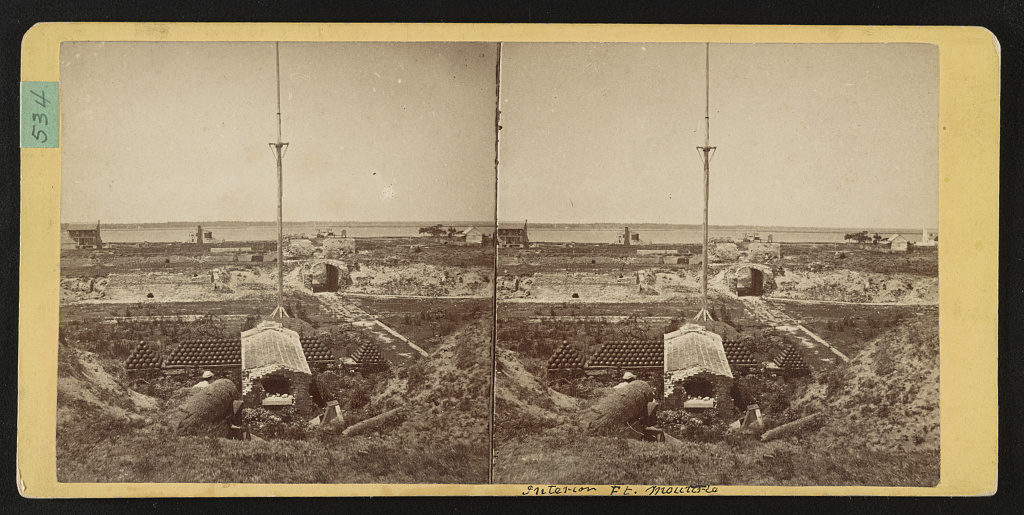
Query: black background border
column 1005, row 19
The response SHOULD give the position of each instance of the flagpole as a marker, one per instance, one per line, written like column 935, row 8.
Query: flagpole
column 705, row 314
column 279, row 146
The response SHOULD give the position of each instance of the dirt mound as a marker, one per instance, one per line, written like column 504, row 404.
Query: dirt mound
column 723, row 252
column 446, row 393
column 887, row 398
column 854, row 286
column 77, row 289
column 299, row 248
column 83, row 378
column 420, row 279
column 617, row 286
column 523, row 405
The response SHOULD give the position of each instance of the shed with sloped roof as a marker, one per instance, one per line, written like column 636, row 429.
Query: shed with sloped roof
column 275, row 372
column 696, row 370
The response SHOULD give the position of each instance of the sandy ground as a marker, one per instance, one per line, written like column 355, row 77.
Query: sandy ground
column 231, row 283
column 91, row 383
column 889, row 394
column 660, row 285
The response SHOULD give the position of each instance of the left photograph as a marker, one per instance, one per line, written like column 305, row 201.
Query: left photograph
column 276, row 262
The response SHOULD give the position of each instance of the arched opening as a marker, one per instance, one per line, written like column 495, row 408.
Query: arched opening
column 328, row 279
column 749, row 282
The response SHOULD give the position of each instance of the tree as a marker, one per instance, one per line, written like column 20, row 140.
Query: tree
column 859, row 237
column 451, row 232
column 433, row 230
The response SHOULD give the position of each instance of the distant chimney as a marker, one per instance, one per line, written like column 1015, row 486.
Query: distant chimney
column 199, row 234
column 625, row 239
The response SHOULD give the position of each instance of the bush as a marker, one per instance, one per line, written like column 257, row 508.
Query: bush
column 284, row 424
column 706, row 426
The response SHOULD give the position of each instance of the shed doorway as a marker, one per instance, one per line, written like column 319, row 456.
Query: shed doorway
column 276, row 385
column 698, row 387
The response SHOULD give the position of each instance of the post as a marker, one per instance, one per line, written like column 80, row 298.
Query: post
column 494, row 329
column 706, row 150
column 279, row 146
column 280, row 231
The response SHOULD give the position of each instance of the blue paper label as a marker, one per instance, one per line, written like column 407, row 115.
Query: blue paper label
column 40, row 115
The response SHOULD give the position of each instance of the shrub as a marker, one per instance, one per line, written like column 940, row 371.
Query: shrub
column 705, row 426
column 284, row 424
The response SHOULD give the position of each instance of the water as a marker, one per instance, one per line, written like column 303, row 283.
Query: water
column 562, row 234
column 694, row 234
column 257, row 232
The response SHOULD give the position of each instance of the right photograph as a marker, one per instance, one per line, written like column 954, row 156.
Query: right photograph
column 717, row 264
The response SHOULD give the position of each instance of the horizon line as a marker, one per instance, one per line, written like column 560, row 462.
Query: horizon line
column 491, row 223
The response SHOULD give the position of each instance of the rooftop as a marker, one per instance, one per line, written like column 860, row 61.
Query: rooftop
column 80, row 227
column 269, row 343
column 691, row 349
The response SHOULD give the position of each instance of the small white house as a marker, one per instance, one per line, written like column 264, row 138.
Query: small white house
column 470, row 236
column 896, row 243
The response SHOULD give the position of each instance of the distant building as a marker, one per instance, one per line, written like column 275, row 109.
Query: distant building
column 928, row 239
column 628, row 238
column 328, row 232
column 896, row 243
column 750, row 237
column 510, row 234
column 470, row 236
column 83, row 236
column 199, row 236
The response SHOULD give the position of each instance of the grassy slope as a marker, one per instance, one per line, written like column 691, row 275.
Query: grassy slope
column 444, row 439
column 567, row 457
column 882, row 431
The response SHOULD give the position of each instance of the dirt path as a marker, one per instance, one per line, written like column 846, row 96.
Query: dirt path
column 394, row 296
column 395, row 348
column 845, row 303
column 818, row 353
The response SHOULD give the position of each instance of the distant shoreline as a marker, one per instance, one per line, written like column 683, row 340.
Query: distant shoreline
column 547, row 226
column 231, row 223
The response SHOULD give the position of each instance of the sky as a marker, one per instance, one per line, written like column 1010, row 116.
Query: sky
column 822, row 135
column 813, row 135
column 156, row 132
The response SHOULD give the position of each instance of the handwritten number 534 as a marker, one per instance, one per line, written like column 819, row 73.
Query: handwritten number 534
column 40, row 135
